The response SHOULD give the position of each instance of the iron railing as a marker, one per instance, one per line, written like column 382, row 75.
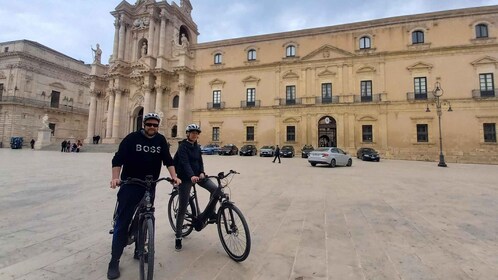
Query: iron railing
column 211, row 105
column 250, row 104
column 478, row 93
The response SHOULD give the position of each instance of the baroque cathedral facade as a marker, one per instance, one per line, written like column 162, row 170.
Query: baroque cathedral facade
column 365, row 84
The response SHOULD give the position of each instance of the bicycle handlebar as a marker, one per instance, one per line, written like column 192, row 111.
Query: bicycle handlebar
column 222, row 175
column 147, row 183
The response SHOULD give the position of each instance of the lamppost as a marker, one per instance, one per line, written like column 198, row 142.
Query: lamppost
column 438, row 92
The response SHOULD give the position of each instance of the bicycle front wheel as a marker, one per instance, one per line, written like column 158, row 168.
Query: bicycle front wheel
column 234, row 232
column 146, row 250
column 173, row 205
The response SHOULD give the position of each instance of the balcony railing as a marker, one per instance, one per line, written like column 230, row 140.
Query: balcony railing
column 368, row 98
column 326, row 100
column 212, row 105
column 250, row 104
column 42, row 104
column 290, row 102
column 478, row 93
column 411, row 96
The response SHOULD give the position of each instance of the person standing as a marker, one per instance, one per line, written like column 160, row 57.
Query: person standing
column 277, row 154
column 141, row 153
column 63, row 146
column 32, row 142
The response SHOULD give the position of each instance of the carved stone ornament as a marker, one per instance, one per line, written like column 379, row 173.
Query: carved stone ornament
column 141, row 23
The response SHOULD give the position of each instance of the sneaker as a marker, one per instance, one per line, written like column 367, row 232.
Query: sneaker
column 178, row 244
column 113, row 270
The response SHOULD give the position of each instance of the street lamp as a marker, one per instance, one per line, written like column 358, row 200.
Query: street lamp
column 438, row 92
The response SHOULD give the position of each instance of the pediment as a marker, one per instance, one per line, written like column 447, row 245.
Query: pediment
column 123, row 6
column 291, row 120
column 290, row 75
column 327, row 52
column 325, row 73
column 367, row 118
column 366, row 69
column 57, row 85
column 217, row 82
column 484, row 60
column 251, row 79
column 420, row 66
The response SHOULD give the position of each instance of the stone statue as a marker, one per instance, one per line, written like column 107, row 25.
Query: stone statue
column 184, row 41
column 144, row 49
column 45, row 121
column 97, row 54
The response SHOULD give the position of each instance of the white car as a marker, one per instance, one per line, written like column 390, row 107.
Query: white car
column 329, row 155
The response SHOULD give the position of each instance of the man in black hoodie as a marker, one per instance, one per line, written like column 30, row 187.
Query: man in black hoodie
column 140, row 154
column 190, row 169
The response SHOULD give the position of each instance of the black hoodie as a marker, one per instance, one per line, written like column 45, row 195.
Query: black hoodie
column 188, row 160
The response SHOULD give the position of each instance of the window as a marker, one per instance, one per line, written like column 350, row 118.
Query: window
column 486, row 84
column 217, row 58
column 176, row 101
column 251, row 97
column 251, row 55
column 417, row 37
column 481, row 31
column 365, row 43
column 1, row 91
column 290, row 95
column 6, row 49
column 367, row 133
column 216, row 134
column 216, row 98
column 422, row 133
column 489, row 132
column 249, row 133
column 290, row 51
column 291, row 133
column 54, row 99
column 327, row 93
column 52, row 128
column 366, row 91
column 420, row 85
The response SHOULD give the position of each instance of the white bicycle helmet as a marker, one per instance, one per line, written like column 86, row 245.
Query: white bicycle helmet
column 193, row 127
column 152, row 116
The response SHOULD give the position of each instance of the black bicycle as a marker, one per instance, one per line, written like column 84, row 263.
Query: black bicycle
column 232, row 226
column 141, row 228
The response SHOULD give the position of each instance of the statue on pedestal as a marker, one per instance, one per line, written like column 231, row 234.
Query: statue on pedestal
column 97, row 54
column 45, row 121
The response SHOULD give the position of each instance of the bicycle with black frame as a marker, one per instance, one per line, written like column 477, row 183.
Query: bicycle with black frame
column 141, row 228
column 232, row 226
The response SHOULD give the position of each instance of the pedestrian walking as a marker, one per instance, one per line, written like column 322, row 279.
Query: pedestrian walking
column 277, row 154
column 32, row 143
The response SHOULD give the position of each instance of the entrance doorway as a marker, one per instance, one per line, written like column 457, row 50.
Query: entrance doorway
column 327, row 130
column 139, row 119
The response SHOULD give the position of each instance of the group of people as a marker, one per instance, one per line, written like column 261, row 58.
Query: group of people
column 96, row 139
column 67, row 146
column 142, row 153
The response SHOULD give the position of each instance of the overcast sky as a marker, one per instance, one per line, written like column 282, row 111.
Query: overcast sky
column 72, row 27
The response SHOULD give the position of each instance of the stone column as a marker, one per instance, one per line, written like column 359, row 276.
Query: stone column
column 159, row 99
column 110, row 112
column 116, row 39
column 150, row 44
column 181, row 111
column 162, row 33
column 115, row 117
column 147, row 100
column 121, row 46
column 92, row 115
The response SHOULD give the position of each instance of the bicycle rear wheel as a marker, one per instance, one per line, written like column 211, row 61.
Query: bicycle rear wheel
column 234, row 232
column 173, row 205
column 146, row 250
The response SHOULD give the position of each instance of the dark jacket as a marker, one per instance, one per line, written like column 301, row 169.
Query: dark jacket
column 188, row 160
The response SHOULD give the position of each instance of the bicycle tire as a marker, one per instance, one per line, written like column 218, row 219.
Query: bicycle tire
column 146, row 248
column 233, row 232
column 173, row 210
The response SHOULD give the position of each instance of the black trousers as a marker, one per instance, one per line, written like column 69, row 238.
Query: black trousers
column 277, row 155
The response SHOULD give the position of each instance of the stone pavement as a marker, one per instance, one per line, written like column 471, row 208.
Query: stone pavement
column 387, row 220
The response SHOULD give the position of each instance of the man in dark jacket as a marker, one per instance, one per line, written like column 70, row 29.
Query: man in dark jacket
column 277, row 154
column 190, row 169
column 140, row 154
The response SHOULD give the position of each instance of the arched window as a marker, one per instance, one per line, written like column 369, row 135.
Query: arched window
column 290, row 51
column 176, row 101
column 418, row 37
column 251, row 54
column 481, row 31
column 217, row 58
column 365, row 43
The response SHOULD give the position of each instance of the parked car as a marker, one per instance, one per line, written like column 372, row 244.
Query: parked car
column 248, row 150
column 368, row 154
column 306, row 150
column 329, row 155
column 229, row 149
column 267, row 151
column 287, row 151
column 210, row 149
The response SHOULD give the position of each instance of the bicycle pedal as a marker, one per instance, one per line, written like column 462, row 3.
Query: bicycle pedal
column 111, row 231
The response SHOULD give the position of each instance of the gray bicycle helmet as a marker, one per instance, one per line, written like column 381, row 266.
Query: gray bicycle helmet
column 193, row 127
column 152, row 116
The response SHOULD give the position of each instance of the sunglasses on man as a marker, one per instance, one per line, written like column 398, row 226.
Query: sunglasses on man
column 151, row 124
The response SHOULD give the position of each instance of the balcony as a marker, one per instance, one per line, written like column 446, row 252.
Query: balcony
column 326, row 100
column 367, row 98
column 414, row 96
column 290, row 102
column 211, row 105
column 18, row 100
column 477, row 93
column 250, row 104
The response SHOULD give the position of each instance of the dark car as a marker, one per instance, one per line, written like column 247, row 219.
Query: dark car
column 266, row 151
column 368, row 154
column 210, row 149
column 229, row 149
column 306, row 150
column 287, row 151
column 248, row 150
